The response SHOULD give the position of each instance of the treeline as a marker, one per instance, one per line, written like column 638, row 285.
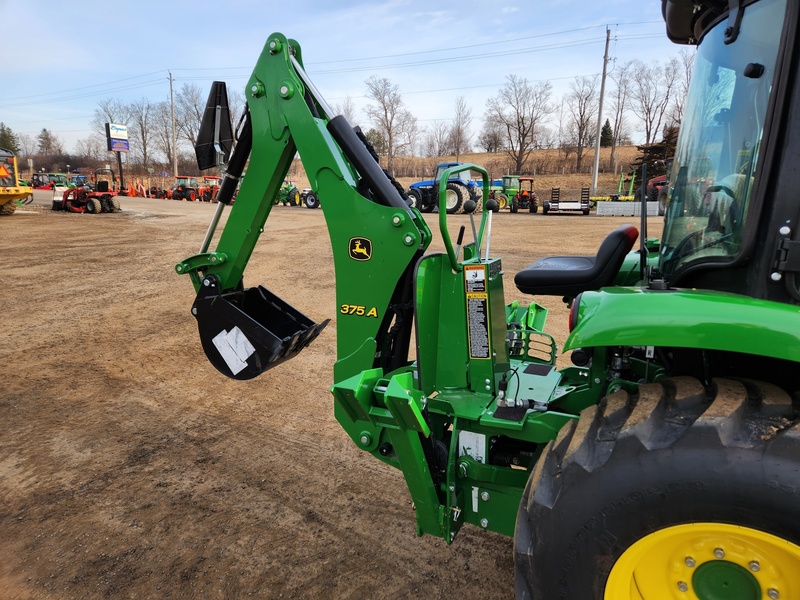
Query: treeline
column 520, row 118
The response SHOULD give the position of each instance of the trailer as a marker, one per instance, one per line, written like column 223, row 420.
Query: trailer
column 556, row 204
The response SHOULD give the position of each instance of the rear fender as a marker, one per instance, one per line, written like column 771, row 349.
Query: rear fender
column 688, row 319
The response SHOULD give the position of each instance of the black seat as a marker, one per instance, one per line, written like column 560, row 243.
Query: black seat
column 571, row 275
column 102, row 186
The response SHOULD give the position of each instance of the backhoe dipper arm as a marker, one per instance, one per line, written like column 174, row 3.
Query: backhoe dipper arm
column 375, row 237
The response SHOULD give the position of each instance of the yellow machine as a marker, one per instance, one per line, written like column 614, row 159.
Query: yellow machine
column 10, row 189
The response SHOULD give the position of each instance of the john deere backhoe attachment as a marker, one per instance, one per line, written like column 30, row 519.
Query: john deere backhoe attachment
column 666, row 456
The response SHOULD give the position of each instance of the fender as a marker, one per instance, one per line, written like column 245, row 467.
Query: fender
column 685, row 318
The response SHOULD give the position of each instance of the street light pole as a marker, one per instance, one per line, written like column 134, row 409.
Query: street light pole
column 600, row 117
column 174, row 137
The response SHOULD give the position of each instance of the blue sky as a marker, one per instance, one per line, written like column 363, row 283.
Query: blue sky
column 66, row 57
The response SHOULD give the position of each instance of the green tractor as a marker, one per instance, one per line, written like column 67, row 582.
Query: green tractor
column 288, row 194
column 664, row 462
column 506, row 192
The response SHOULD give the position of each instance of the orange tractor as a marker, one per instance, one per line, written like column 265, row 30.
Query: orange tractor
column 185, row 188
column 207, row 192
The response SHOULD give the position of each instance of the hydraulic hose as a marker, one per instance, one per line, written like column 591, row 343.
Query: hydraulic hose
column 365, row 164
column 241, row 152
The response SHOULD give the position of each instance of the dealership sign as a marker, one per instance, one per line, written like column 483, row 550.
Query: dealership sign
column 117, row 137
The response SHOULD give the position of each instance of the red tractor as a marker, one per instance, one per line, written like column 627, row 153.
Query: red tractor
column 657, row 189
column 526, row 198
column 83, row 199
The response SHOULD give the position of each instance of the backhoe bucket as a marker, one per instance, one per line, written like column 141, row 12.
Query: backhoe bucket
column 246, row 332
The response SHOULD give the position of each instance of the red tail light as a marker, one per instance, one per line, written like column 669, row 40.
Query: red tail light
column 573, row 312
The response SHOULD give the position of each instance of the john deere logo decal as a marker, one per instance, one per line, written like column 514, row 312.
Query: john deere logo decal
column 360, row 248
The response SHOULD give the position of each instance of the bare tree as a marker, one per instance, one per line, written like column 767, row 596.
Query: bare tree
column 190, row 105
column 162, row 134
column 389, row 115
column 651, row 91
column 140, row 128
column 348, row 110
column 236, row 104
column 109, row 110
column 684, row 66
column 92, row 148
column 459, row 132
column 27, row 145
column 581, row 103
column 436, row 139
column 491, row 136
column 619, row 98
column 408, row 134
column 519, row 108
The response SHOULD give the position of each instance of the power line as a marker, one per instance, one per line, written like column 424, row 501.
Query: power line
column 86, row 87
column 481, row 56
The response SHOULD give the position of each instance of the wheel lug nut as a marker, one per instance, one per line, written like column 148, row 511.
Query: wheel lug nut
column 689, row 561
column 773, row 594
column 754, row 566
column 719, row 552
column 682, row 586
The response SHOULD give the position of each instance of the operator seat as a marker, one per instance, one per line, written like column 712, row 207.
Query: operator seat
column 571, row 275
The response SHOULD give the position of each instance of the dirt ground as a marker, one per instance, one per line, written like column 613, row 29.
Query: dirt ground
column 130, row 468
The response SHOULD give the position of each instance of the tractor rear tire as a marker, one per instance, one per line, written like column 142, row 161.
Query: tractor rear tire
column 311, row 200
column 534, row 207
column 94, row 206
column 453, row 198
column 415, row 197
column 668, row 489
column 514, row 206
column 114, row 205
column 502, row 201
column 663, row 199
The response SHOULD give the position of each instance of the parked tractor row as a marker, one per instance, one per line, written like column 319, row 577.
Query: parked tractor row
column 511, row 192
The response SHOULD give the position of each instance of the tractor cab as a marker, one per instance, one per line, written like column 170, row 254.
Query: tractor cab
column 526, row 196
column 724, row 221
column 185, row 188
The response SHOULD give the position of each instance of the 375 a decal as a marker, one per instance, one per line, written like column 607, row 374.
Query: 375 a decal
column 358, row 310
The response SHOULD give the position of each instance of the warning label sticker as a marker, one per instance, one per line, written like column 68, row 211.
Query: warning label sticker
column 475, row 278
column 478, row 324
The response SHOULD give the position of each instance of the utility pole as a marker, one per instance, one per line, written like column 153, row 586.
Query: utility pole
column 600, row 117
column 174, row 137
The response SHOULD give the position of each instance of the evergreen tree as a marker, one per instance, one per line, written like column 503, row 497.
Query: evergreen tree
column 49, row 144
column 656, row 154
column 606, row 135
column 7, row 139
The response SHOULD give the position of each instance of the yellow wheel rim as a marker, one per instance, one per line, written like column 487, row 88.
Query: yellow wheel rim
column 706, row 561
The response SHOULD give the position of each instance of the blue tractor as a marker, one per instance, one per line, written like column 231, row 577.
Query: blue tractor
column 423, row 194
